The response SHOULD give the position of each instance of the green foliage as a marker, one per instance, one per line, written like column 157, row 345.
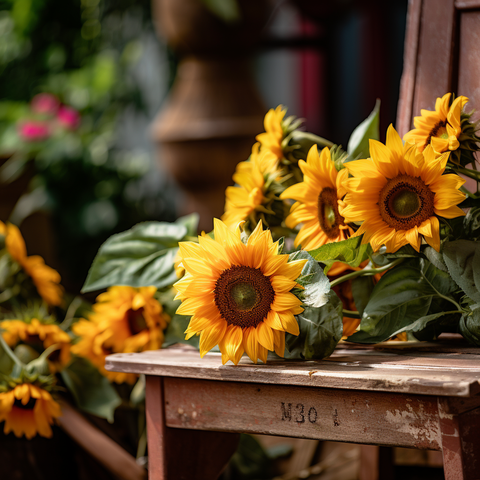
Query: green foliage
column 92, row 392
column 358, row 144
column 350, row 251
column 176, row 332
column 402, row 296
column 250, row 461
column 320, row 331
column 470, row 325
column 462, row 258
column 315, row 282
column 141, row 256
column 362, row 288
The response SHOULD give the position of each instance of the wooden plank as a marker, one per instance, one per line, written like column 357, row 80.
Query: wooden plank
column 469, row 63
column 407, row 83
column 323, row 414
column 452, row 375
column 435, row 60
column 467, row 4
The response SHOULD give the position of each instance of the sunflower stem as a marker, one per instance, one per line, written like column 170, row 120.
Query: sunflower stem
column 351, row 314
column 365, row 272
column 468, row 172
column 9, row 352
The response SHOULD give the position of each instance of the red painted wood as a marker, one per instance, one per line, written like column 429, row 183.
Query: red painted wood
column 175, row 454
column 460, row 443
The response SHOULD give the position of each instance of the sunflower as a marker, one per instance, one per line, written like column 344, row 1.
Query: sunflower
column 39, row 336
column 27, row 410
column 399, row 194
column 45, row 278
column 253, row 178
column 318, row 197
column 271, row 139
column 239, row 294
column 441, row 128
column 124, row 319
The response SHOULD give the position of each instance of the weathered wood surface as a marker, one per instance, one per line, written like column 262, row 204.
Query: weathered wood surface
column 405, row 371
column 315, row 413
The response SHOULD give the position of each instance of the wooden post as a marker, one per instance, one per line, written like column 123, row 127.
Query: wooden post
column 460, row 442
column 177, row 454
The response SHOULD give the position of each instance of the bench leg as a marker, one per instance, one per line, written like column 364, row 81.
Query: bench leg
column 178, row 454
column 376, row 463
column 460, row 443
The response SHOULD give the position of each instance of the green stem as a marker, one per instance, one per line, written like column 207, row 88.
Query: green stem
column 70, row 315
column 468, row 172
column 351, row 314
column 365, row 272
column 9, row 352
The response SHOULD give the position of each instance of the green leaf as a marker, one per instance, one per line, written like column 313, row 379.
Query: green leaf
column 358, row 145
column 141, row 256
column 362, row 288
column 382, row 259
column 436, row 258
column 92, row 392
column 463, row 262
column 190, row 222
column 320, row 331
column 348, row 251
column 422, row 323
column 175, row 332
column 470, row 326
column 315, row 282
column 402, row 296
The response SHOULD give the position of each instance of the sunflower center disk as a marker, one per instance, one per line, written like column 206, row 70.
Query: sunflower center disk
column 28, row 406
column 243, row 296
column 328, row 216
column 439, row 130
column 136, row 321
column 406, row 202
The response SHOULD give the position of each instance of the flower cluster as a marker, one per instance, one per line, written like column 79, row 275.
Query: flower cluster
column 124, row 320
column 47, row 115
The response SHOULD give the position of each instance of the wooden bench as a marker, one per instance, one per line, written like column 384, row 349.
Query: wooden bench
column 426, row 396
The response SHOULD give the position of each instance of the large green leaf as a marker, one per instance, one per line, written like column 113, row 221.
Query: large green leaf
column 422, row 323
column 362, row 289
column 463, row 262
column 470, row 326
column 350, row 251
column 315, row 282
column 92, row 392
column 402, row 296
column 320, row 331
column 141, row 256
column 358, row 145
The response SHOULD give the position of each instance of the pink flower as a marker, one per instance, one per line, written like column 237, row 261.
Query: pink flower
column 34, row 131
column 68, row 117
column 45, row 103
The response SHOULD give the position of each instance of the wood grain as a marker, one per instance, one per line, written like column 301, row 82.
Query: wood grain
column 467, row 4
column 407, row 83
column 323, row 414
column 425, row 374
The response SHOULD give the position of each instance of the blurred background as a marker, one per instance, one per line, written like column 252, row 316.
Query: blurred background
column 116, row 112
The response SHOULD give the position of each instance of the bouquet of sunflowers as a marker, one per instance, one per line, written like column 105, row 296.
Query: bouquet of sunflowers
column 317, row 243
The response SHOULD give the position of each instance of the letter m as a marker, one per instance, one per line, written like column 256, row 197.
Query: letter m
column 286, row 411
